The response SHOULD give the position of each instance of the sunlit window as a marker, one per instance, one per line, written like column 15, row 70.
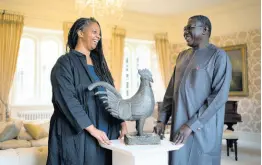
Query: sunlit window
column 39, row 50
column 49, row 54
column 24, row 83
column 139, row 54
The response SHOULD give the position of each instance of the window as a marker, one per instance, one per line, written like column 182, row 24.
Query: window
column 39, row 50
column 139, row 54
column 49, row 54
column 126, row 75
column 25, row 71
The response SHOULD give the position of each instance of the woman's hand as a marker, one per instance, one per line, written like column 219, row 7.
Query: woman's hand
column 123, row 130
column 100, row 136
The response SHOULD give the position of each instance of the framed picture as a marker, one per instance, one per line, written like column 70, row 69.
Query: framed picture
column 238, row 57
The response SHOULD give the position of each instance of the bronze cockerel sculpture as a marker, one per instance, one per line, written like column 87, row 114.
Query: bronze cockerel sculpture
column 137, row 108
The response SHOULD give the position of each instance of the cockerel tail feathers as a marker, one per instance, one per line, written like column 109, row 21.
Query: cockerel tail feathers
column 105, row 85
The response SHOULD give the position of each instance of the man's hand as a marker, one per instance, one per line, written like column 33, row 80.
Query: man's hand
column 159, row 129
column 182, row 135
column 123, row 130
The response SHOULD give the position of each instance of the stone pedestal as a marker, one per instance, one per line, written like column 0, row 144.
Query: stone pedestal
column 140, row 154
column 146, row 139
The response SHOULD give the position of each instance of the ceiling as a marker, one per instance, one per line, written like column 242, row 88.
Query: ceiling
column 171, row 7
column 157, row 7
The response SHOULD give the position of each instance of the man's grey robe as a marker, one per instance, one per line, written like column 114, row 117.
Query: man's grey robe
column 196, row 96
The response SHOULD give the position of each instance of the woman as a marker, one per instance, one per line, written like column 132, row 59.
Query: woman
column 80, row 121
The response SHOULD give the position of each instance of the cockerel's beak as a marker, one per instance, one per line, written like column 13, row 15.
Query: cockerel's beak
column 151, row 79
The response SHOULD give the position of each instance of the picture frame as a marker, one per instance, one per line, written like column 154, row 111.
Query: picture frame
column 238, row 58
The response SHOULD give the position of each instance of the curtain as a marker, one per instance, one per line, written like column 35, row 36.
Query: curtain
column 11, row 26
column 161, row 41
column 117, row 56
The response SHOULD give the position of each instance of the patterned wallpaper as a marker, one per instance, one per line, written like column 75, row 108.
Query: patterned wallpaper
column 249, row 107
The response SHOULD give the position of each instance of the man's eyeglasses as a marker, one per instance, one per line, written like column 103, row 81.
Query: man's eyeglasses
column 189, row 28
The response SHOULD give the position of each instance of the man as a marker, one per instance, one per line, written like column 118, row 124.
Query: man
column 196, row 97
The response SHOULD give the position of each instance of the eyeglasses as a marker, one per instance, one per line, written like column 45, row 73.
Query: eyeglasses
column 189, row 28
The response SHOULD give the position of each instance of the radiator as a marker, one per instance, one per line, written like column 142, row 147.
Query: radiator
column 35, row 115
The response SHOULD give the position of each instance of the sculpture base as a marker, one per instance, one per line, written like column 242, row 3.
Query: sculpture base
column 146, row 139
column 123, row 154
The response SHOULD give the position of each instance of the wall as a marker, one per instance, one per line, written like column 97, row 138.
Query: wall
column 249, row 107
column 235, row 23
column 227, row 19
column 51, row 15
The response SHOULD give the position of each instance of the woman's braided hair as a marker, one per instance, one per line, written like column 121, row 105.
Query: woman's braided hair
column 97, row 54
